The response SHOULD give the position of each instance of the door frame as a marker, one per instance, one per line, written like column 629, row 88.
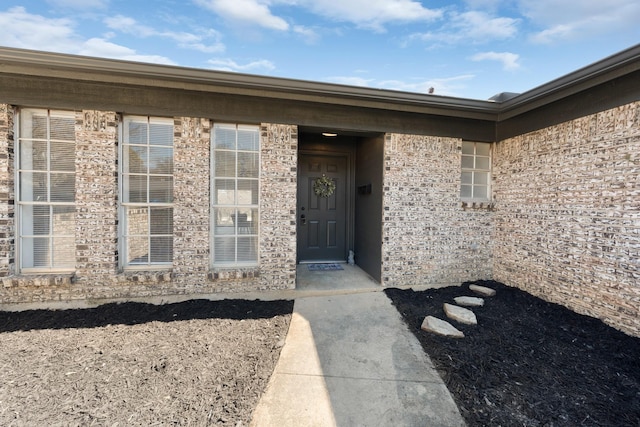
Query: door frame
column 339, row 151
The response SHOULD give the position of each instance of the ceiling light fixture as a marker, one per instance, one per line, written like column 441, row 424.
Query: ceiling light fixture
column 329, row 134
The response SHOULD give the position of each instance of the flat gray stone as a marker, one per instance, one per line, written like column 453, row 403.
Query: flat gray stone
column 482, row 290
column 440, row 327
column 460, row 314
column 469, row 301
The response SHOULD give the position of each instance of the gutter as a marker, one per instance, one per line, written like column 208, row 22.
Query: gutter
column 607, row 69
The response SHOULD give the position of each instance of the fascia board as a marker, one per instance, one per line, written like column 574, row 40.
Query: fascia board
column 600, row 72
column 64, row 66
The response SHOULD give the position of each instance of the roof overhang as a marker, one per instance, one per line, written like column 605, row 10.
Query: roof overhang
column 606, row 70
column 64, row 66
column 613, row 79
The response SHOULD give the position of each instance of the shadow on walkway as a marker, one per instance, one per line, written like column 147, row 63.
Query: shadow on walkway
column 349, row 360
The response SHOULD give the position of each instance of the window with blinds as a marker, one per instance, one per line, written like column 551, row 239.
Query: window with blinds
column 146, row 191
column 235, row 185
column 46, row 190
column 476, row 171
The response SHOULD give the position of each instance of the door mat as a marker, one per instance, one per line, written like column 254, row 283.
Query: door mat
column 324, row 267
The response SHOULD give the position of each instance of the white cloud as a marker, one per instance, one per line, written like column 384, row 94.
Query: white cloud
column 80, row 4
column 105, row 49
column 480, row 26
column 473, row 26
column 558, row 32
column 231, row 65
column 247, row 11
column 28, row 31
column 509, row 60
column 568, row 19
column 483, row 4
column 372, row 14
column 448, row 86
column 308, row 34
column 350, row 80
column 208, row 41
column 24, row 30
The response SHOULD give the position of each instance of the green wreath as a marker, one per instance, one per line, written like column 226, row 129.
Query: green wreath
column 324, row 187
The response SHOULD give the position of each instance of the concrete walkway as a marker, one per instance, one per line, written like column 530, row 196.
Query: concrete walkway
column 349, row 360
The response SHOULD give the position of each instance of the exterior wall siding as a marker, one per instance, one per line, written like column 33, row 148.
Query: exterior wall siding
column 278, row 206
column 98, row 274
column 96, row 204
column 564, row 224
column 568, row 215
column 429, row 238
column 7, row 192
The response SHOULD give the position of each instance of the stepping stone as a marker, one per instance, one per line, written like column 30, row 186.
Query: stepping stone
column 469, row 301
column 440, row 327
column 462, row 315
column 482, row 290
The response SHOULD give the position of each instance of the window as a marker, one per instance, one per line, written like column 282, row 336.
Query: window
column 476, row 171
column 235, row 179
column 46, row 190
column 147, row 192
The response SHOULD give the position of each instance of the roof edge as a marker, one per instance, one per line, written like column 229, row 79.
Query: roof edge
column 585, row 78
column 40, row 63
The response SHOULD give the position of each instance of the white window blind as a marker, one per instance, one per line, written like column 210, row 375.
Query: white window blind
column 235, row 188
column 476, row 171
column 147, row 191
column 46, row 190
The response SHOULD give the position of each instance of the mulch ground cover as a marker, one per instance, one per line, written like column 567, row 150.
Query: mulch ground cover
column 529, row 362
column 193, row 363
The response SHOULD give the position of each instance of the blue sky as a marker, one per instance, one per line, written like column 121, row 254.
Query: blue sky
column 469, row 49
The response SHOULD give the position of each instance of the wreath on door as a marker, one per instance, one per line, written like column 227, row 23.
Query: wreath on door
column 324, row 187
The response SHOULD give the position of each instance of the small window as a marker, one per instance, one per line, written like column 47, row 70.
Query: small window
column 147, row 191
column 46, row 190
column 476, row 171
column 234, row 202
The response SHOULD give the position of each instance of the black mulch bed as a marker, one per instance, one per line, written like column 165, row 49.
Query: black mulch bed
column 529, row 362
column 134, row 313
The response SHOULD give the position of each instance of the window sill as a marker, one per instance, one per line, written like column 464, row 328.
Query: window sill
column 478, row 205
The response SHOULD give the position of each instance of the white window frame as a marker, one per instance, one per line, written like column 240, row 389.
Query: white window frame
column 246, row 206
column 126, row 205
column 480, row 176
column 24, row 251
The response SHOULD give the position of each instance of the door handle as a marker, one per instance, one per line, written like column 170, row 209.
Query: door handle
column 303, row 219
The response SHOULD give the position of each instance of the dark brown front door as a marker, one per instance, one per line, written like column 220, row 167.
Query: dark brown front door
column 322, row 221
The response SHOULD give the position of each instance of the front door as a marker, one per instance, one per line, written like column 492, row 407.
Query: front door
column 322, row 219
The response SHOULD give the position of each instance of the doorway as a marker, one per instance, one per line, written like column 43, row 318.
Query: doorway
column 323, row 208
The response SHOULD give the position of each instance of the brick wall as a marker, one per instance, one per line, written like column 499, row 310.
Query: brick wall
column 568, row 215
column 191, row 197
column 96, row 201
column 98, row 274
column 7, row 193
column 429, row 238
column 565, row 224
column 278, row 198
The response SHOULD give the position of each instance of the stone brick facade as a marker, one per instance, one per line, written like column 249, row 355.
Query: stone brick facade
column 429, row 238
column 567, row 223
column 564, row 223
column 98, row 274
column 7, row 192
